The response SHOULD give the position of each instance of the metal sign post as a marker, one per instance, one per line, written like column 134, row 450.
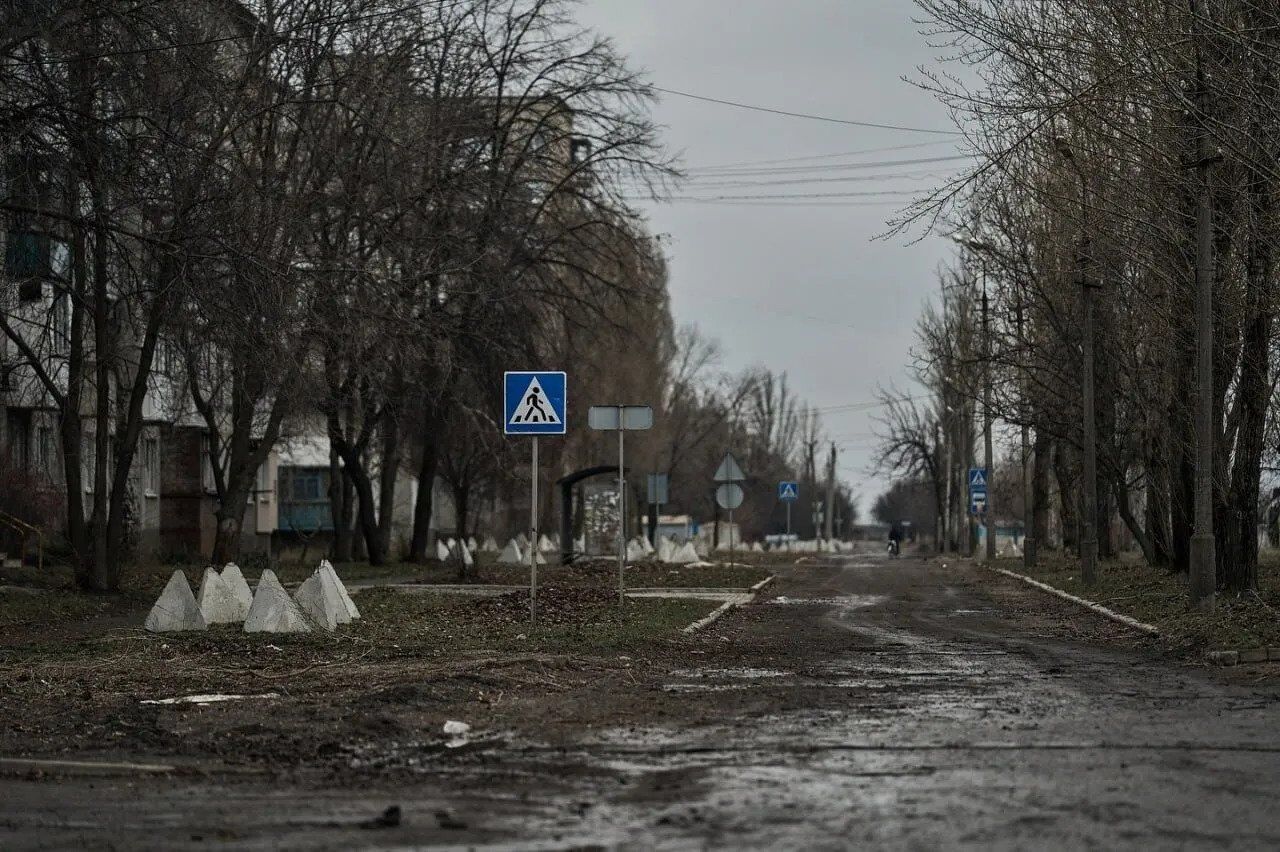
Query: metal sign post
column 623, row 418
column 978, row 500
column 658, row 490
column 788, row 493
column 534, row 403
column 729, row 495
column 533, row 537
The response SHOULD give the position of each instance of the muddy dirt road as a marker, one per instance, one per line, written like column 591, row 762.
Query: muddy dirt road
column 861, row 703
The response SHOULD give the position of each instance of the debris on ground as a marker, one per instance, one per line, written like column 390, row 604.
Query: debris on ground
column 390, row 818
column 556, row 604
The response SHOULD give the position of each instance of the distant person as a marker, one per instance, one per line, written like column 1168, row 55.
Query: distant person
column 895, row 538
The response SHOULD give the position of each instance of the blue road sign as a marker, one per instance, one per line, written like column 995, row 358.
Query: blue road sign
column 978, row 502
column 977, row 479
column 788, row 492
column 534, row 403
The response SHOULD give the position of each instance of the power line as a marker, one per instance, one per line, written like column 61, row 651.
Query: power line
column 709, row 201
column 837, row 167
column 866, row 406
column 793, row 196
column 747, row 184
column 834, row 156
column 809, row 116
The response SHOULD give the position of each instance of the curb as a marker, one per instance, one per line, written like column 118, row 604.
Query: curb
column 1089, row 605
column 725, row 607
column 1244, row 656
column 83, row 767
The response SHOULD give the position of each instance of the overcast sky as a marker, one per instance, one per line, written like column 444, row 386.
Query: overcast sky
column 802, row 288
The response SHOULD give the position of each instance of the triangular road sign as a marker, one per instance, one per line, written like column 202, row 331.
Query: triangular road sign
column 728, row 471
column 977, row 478
column 787, row 491
column 534, row 407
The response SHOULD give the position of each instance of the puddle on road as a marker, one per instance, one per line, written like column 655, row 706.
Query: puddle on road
column 714, row 680
column 744, row 673
column 705, row 687
column 843, row 601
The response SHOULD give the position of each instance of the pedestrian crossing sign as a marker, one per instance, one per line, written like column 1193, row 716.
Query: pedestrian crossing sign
column 977, row 479
column 788, row 492
column 534, row 403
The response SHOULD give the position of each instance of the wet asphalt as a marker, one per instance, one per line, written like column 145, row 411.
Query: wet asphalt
column 874, row 704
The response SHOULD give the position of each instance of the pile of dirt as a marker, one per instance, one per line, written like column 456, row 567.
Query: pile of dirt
column 556, row 605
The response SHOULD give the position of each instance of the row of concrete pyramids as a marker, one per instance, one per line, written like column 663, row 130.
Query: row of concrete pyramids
column 490, row 545
column 320, row 602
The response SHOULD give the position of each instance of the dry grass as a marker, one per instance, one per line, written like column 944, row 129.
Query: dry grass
column 1160, row 598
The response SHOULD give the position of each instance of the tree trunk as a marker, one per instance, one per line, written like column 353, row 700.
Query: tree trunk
column 1157, row 508
column 338, row 508
column 387, row 476
column 103, row 579
column 1040, row 489
column 1238, row 571
column 1126, row 514
column 226, row 541
column 431, row 436
column 1067, row 497
column 367, row 514
column 461, row 505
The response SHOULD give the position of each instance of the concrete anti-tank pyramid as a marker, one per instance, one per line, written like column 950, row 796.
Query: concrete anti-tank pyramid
column 471, row 544
column 318, row 599
column 511, row 554
column 685, row 554
column 273, row 611
column 644, row 542
column 545, row 545
column 176, row 608
column 234, row 580
column 217, row 604
column 327, row 567
column 666, row 549
column 635, row 552
column 489, row 546
column 463, row 552
column 442, row 551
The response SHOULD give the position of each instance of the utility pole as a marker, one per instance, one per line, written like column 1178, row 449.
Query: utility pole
column 830, row 516
column 989, row 520
column 1203, row 574
column 1028, row 491
column 1089, row 487
column 940, row 523
column 811, row 473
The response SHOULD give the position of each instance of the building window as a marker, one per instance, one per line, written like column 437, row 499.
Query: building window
column 32, row 257
column 151, row 466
